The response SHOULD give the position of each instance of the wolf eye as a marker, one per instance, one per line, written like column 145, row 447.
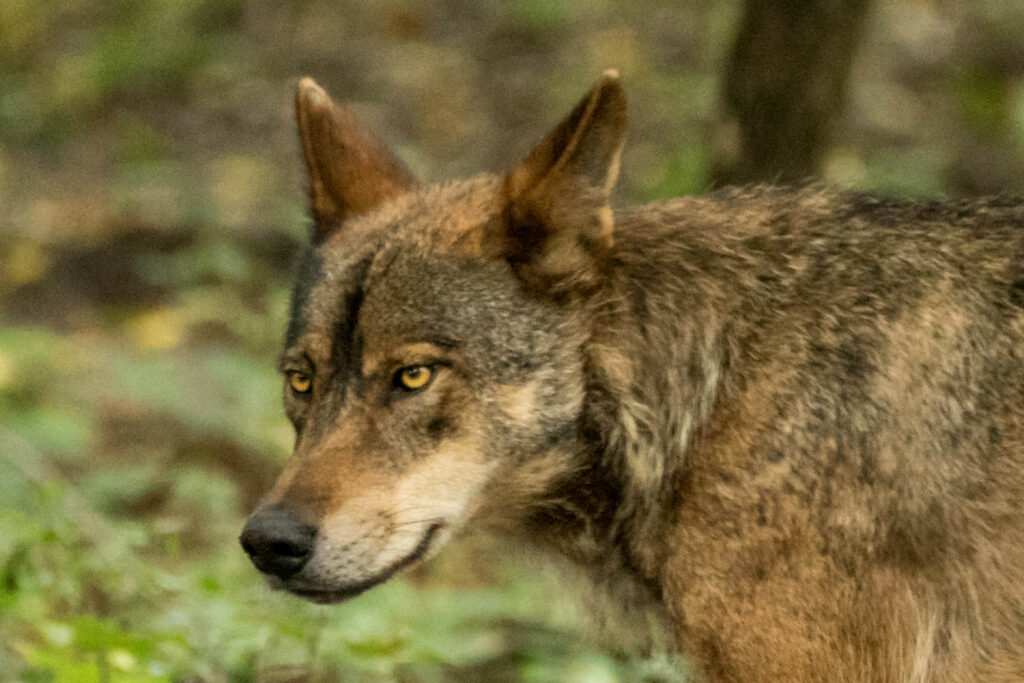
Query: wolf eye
column 300, row 382
column 414, row 377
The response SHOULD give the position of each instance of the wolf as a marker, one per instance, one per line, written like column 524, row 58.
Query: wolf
column 788, row 421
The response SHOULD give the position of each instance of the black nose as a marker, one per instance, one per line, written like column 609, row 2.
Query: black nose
column 277, row 541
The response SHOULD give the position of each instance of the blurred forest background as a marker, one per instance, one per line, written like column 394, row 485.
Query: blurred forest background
column 150, row 201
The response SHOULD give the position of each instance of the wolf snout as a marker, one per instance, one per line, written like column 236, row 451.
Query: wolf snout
column 277, row 541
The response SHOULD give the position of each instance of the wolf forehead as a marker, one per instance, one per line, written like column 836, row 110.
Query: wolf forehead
column 412, row 271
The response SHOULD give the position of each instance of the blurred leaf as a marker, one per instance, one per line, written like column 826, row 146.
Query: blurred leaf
column 139, row 142
column 905, row 173
column 113, row 488
column 26, row 262
column 160, row 328
column 96, row 635
column 54, row 430
column 685, row 173
column 53, row 664
column 984, row 97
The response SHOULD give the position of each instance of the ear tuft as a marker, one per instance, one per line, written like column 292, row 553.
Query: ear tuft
column 351, row 171
column 312, row 95
column 558, row 218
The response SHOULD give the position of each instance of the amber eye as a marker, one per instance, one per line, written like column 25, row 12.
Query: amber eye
column 414, row 377
column 300, row 382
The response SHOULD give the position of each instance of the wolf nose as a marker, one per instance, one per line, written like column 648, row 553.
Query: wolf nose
column 277, row 541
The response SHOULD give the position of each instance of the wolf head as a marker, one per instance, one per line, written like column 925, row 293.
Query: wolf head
column 433, row 367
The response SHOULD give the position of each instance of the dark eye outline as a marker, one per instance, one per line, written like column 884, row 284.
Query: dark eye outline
column 297, row 375
column 398, row 384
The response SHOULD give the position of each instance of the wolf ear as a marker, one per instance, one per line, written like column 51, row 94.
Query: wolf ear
column 557, row 214
column 350, row 169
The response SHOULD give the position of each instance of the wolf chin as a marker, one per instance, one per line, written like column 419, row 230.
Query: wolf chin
column 790, row 421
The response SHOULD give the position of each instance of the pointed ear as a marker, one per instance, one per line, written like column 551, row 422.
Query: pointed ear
column 557, row 218
column 351, row 171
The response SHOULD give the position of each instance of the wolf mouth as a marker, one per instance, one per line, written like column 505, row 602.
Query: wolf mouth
column 326, row 597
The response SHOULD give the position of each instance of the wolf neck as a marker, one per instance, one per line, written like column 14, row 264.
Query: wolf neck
column 659, row 356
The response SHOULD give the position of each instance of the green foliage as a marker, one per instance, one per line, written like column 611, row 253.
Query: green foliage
column 910, row 174
column 985, row 98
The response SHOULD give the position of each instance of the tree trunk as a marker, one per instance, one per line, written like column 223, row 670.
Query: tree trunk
column 784, row 85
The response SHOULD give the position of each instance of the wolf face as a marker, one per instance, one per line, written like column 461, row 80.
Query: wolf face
column 433, row 369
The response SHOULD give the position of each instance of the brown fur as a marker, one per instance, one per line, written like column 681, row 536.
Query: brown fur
column 790, row 420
